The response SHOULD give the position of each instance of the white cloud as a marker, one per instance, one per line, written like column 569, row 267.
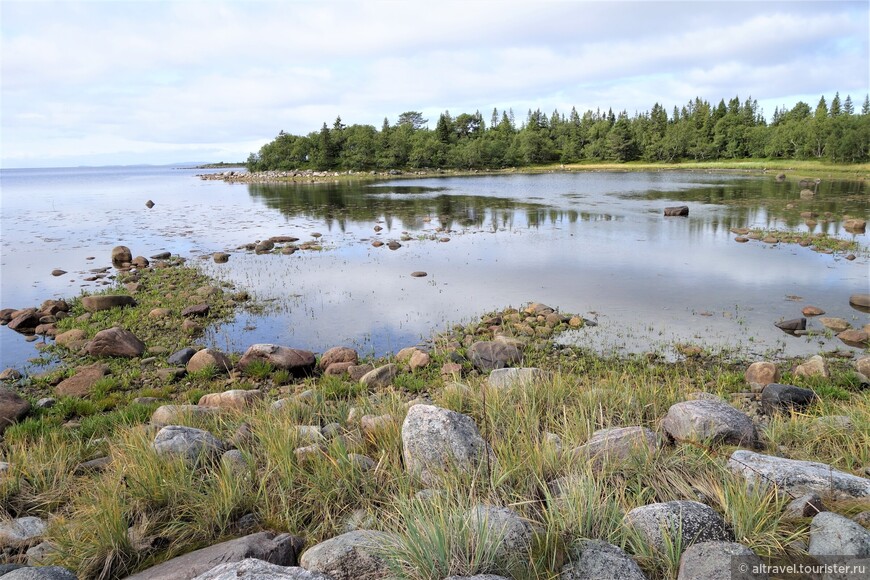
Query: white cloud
column 190, row 73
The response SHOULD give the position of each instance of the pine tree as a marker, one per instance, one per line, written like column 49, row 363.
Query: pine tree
column 821, row 108
column 848, row 107
column 865, row 108
column 835, row 106
column 493, row 120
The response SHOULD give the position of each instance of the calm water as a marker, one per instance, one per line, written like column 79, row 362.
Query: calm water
column 591, row 243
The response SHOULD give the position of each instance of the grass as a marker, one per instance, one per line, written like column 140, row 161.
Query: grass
column 143, row 509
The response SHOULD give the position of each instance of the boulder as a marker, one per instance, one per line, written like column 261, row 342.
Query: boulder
column 107, row 302
column 355, row 555
column 115, row 342
column 777, row 397
column 419, row 360
column 490, row 355
column 792, row 325
column 380, row 377
column 816, row 366
column 503, row 525
column 187, row 442
column 232, row 399
column 21, row 533
column 861, row 300
column 834, row 535
column 862, row 365
column 13, row 408
column 856, row 338
column 254, row 569
column 854, row 225
column 760, row 374
column 300, row 363
column 798, row 477
column 812, row 311
column 596, row 559
column 70, row 337
column 677, row 211
column 39, row 573
column 835, row 324
column 618, row 444
column 435, row 440
column 181, row 357
column 81, row 383
column 338, row 354
column 282, row 550
column 121, row 255
column 720, row 561
column 179, row 414
column 510, row 378
column 209, row 357
column 709, row 421
column 24, row 322
column 692, row 521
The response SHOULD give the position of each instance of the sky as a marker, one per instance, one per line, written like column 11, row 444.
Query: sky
column 159, row 82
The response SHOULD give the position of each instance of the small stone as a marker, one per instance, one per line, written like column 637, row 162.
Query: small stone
column 418, row 274
column 10, row 375
column 678, row 211
column 21, row 533
column 816, row 366
column 806, row 506
column 58, row 272
column 196, row 310
column 812, row 311
column 792, row 325
column 380, row 377
column 778, row 397
column 373, row 425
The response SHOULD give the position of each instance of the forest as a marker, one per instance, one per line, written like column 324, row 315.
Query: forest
column 836, row 132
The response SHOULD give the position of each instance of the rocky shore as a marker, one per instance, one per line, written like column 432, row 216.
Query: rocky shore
column 486, row 452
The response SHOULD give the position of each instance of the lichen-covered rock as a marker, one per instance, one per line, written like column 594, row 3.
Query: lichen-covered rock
column 232, row 399
column 254, row 569
column 436, row 440
column 618, row 444
column 21, row 533
column 505, row 526
column 720, row 561
column 179, row 414
column 354, row 555
column 380, row 377
column 187, row 442
column 596, row 559
column 690, row 521
column 834, row 535
column 522, row 377
column 798, row 477
column 709, row 421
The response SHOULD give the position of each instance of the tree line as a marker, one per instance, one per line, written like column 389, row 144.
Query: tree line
column 698, row 131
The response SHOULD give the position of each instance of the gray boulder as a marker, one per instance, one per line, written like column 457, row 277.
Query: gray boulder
column 513, row 534
column 798, row 477
column 115, row 342
column 510, row 378
column 709, row 421
column 355, row 555
column 618, row 444
column 435, row 440
column 187, row 442
column 778, row 397
column 40, row 573
column 179, row 414
column 477, row 577
column 490, row 355
column 300, row 363
column 693, row 521
column 282, row 550
column 834, row 535
column 380, row 377
column 13, row 408
column 254, row 569
column 596, row 560
column 719, row 561
column 21, row 533
column 181, row 357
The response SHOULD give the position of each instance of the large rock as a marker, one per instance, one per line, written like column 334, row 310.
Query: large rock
column 13, row 408
column 209, row 357
column 618, row 444
column 513, row 534
column 254, row 569
column 760, row 374
column 81, row 383
column 338, row 354
column 181, row 357
column 862, row 365
column 816, row 366
column 380, row 377
column 435, row 440
column 300, row 363
column 777, row 397
column 490, row 355
column 597, row 559
column 835, row 324
column 677, row 211
column 115, row 342
column 40, row 573
column 25, row 322
column 798, row 477
column 121, row 255
column 232, row 399
column 187, row 442
column 282, row 550
column 178, row 414
column 834, row 535
column 355, row 555
column 107, row 302
column 856, row 338
column 510, row 378
column 21, row 533
column 70, row 337
column 861, row 300
column 709, row 421
column 720, row 561
column 691, row 521
column 792, row 325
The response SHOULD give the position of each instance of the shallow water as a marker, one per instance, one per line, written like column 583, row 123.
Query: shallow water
column 589, row 243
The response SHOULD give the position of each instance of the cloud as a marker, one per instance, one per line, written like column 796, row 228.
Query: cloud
column 192, row 73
